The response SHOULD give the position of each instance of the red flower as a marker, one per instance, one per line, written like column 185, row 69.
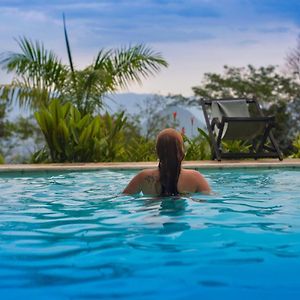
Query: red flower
column 174, row 115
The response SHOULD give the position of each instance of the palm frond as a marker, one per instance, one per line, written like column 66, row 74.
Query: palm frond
column 130, row 64
column 101, row 58
column 40, row 74
column 68, row 45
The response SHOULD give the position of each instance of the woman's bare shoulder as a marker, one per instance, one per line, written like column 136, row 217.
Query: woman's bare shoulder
column 149, row 175
column 137, row 182
column 148, row 172
column 149, row 181
column 190, row 172
column 196, row 177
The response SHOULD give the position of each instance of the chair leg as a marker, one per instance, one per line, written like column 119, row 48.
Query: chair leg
column 264, row 138
column 215, row 150
column 219, row 140
column 268, row 134
column 275, row 145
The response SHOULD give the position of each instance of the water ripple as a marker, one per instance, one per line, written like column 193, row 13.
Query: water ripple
column 74, row 234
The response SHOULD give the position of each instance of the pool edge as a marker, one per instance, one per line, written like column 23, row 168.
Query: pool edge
column 263, row 163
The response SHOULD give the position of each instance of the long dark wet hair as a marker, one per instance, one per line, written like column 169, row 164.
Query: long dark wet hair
column 169, row 148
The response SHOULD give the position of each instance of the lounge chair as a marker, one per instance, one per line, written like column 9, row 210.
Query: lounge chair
column 240, row 119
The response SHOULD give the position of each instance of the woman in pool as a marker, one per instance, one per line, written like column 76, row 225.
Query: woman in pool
column 169, row 179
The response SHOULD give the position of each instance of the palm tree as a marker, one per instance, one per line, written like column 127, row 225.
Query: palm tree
column 41, row 76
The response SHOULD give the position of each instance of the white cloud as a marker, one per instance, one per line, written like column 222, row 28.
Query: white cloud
column 192, row 41
column 26, row 15
column 189, row 61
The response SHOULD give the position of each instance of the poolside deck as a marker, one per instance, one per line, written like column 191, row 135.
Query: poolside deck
column 261, row 163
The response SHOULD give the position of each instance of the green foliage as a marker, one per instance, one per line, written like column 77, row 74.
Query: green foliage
column 236, row 146
column 10, row 132
column 112, row 145
column 141, row 149
column 296, row 144
column 263, row 83
column 39, row 74
column 293, row 60
column 2, row 161
column 284, row 127
column 73, row 137
column 294, row 120
column 24, row 128
column 22, row 138
column 197, row 148
column 5, row 125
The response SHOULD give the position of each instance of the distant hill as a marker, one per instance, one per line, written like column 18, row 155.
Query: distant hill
column 126, row 101
column 130, row 102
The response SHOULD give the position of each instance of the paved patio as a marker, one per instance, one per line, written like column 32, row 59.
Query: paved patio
column 261, row 163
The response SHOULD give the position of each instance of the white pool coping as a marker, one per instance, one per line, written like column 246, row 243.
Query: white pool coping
column 225, row 164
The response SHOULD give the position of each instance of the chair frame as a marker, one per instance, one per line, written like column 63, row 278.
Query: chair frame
column 256, row 151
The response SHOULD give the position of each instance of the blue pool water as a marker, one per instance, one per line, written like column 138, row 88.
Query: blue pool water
column 73, row 236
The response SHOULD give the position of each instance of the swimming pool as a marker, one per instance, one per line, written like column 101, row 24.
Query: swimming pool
column 72, row 236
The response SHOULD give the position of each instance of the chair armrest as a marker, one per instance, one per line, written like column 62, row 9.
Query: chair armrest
column 215, row 122
column 249, row 119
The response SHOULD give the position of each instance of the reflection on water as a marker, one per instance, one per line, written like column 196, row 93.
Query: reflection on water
column 175, row 207
column 74, row 235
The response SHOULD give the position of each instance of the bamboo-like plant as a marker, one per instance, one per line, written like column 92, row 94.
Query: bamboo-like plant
column 73, row 137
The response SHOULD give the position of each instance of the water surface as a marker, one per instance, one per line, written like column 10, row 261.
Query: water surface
column 73, row 236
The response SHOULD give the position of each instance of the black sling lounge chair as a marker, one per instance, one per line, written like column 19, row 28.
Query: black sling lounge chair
column 240, row 119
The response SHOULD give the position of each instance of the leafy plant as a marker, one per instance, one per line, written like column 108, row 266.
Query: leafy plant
column 197, row 148
column 73, row 137
column 263, row 83
column 2, row 161
column 236, row 146
column 141, row 149
column 296, row 144
column 112, row 145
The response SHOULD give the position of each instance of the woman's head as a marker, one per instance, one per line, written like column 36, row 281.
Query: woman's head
column 169, row 144
column 169, row 148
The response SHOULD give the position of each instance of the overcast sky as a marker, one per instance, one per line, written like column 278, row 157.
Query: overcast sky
column 194, row 36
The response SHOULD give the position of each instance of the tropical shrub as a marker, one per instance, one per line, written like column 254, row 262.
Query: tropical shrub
column 296, row 144
column 141, row 149
column 197, row 148
column 2, row 161
column 73, row 137
column 236, row 146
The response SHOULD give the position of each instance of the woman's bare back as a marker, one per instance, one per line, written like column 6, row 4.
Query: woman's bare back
column 147, row 182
